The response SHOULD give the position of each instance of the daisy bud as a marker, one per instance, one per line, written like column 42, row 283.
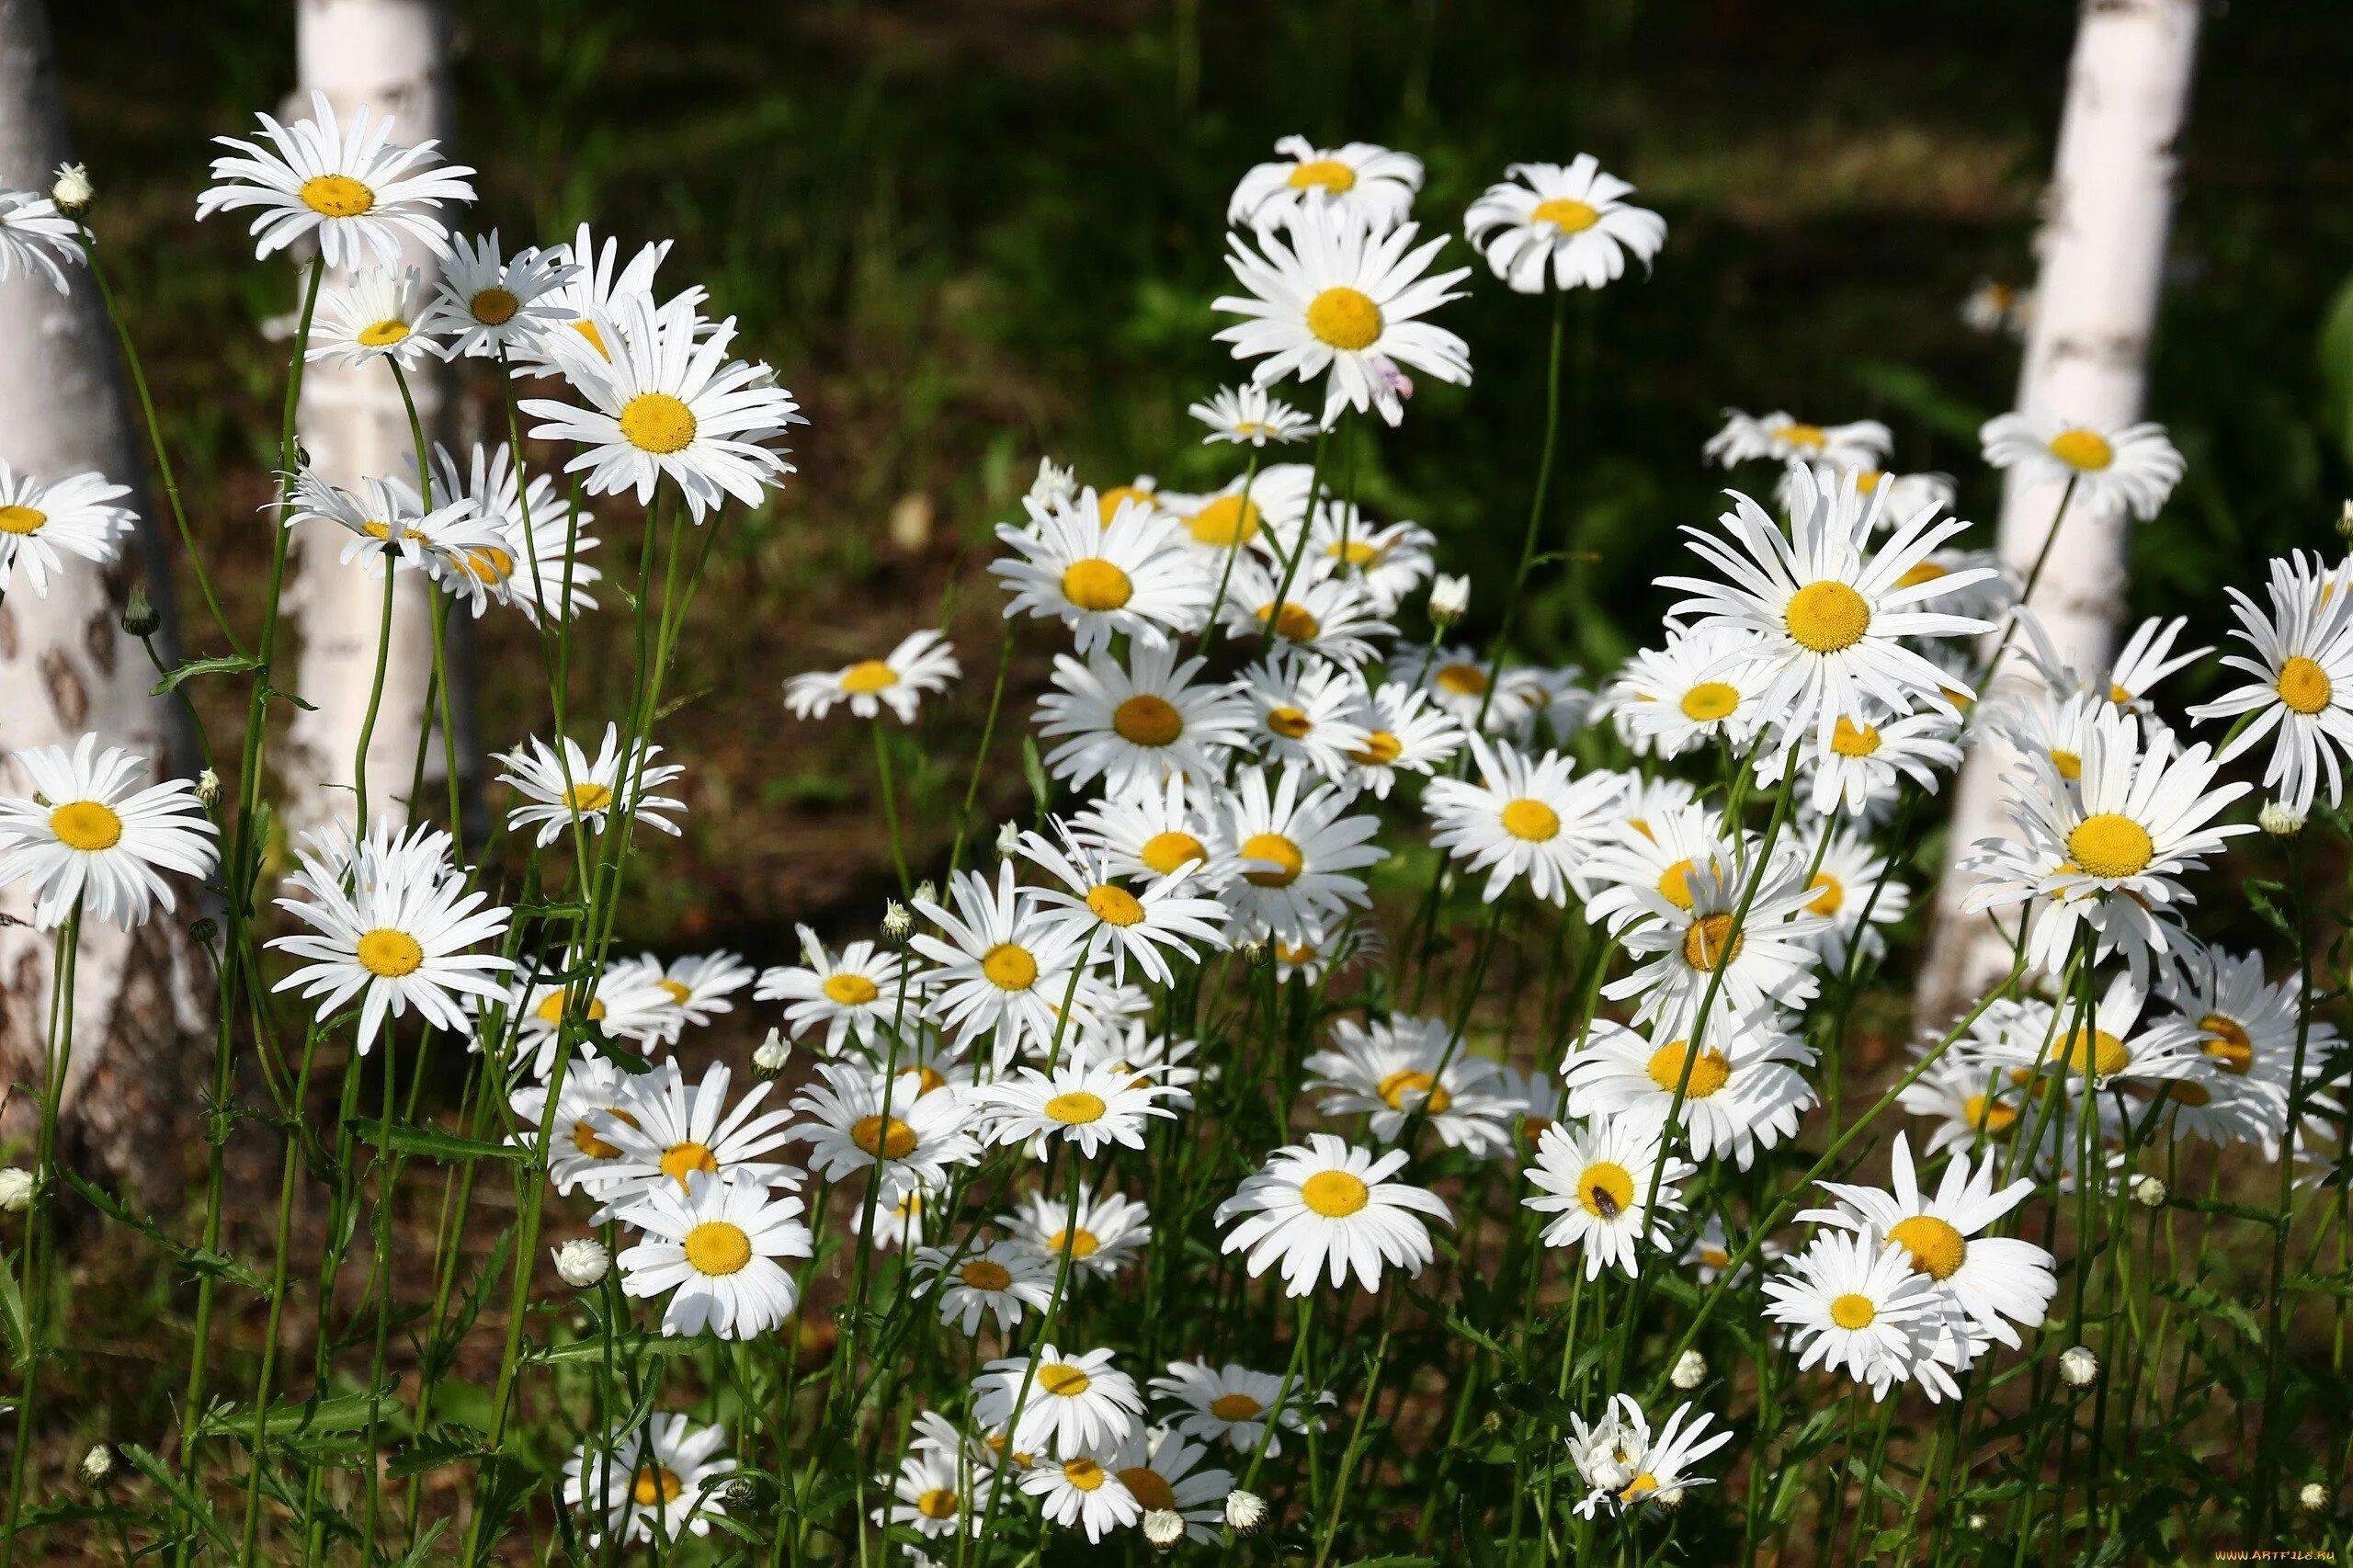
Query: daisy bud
column 1164, row 1527
column 897, row 924
column 768, row 1060
column 2151, row 1192
column 97, row 1464
column 2345, row 522
column 207, row 788
column 1009, row 840
column 2314, row 1498
column 2279, row 821
column 203, row 932
column 72, row 192
column 1053, row 484
column 581, row 1262
column 1255, row 953
column 1667, row 1496
column 1690, row 1370
column 16, row 1189
column 1977, row 1521
column 2078, row 1368
column 927, row 891
column 1449, row 597
column 139, row 617
column 1245, row 1510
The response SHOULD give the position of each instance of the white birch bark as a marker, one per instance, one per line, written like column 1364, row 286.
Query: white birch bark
column 389, row 57
column 2103, row 251
column 67, row 667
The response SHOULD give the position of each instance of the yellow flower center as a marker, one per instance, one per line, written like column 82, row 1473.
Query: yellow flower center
column 680, row 1160
column 1606, row 1189
column 1295, row 952
column 2070, row 764
column 981, row 1274
column 589, row 797
column 494, row 306
column 1704, row 943
column 1810, row 436
column 1164, row 852
column 1225, row 521
column 1148, row 1487
column 1290, row 722
column 850, row 990
column 1711, row 1073
column 1937, row 1249
column 1335, row 1195
column 587, row 329
column 2107, row 845
column 1107, row 505
column 679, row 992
column 1287, row 861
column 1827, row 615
column 940, row 1503
column 1532, row 820
column 2098, row 1052
column 1345, row 318
column 1354, row 552
column 1642, row 1485
column 896, row 1142
column 382, row 333
column 1114, row 906
column 1081, row 1244
column 657, row 423
column 1380, row 748
column 1096, row 584
column 2087, row 452
column 2305, row 685
column 1236, row 1407
column 1989, row 1115
column 1853, row 1311
column 1832, row 897
column 718, row 1247
column 1327, row 174
column 17, row 520
column 869, row 675
column 1084, row 1473
column 336, row 195
column 1076, row 1108
column 1850, row 739
column 1394, row 1088
column 1147, row 721
column 1291, row 621
column 1064, row 1380
column 2189, row 1094
column 1566, row 213
column 1462, row 680
column 585, row 1139
column 489, row 564
column 2227, row 1042
column 1675, row 883
column 87, row 825
column 1709, row 701
column 389, row 953
column 1009, row 967
column 550, row 1008
column 1925, row 572
column 656, row 1486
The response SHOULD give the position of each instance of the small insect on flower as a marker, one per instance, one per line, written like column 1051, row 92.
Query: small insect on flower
column 921, row 663
column 1597, row 1185
column 660, row 1480
column 356, row 189
column 41, row 524
column 87, row 839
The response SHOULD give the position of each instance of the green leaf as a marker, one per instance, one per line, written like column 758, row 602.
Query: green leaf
column 1033, row 768
column 220, row 665
column 193, row 1506
column 342, row 1412
column 12, row 1317
column 431, row 1142
column 197, row 1260
column 591, row 1352
column 414, row 1557
column 438, row 1445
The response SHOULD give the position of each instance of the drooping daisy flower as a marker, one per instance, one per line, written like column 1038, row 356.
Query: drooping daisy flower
column 2247, row 1030
column 1784, row 438
column 1341, row 301
column 712, row 1249
column 1308, row 711
column 1388, row 1070
column 1082, row 1491
column 1565, row 224
column 557, row 790
column 87, row 838
column 1321, row 1207
column 1000, row 1280
column 697, row 986
column 1702, row 688
column 1523, row 817
column 1596, row 1184
column 379, row 314
column 1405, row 732
column 1746, row 1091
column 1249, row 414
column 484, row 306
column 664, row 1478
column 391, row 529
column 1100, row 578
column 1370, row 184
column 356, row 189
column 1001, row 969
column 1853, row 1301
column 1321, row 613
column 41, row 524
column 1082, row 1104
column 851, row 995
column 2130, row 467
column 536, row 565
column 1685, row 952
column 1294, row 852
column 1078, row 1403
column 1139, row 726
column 1856, row 768
column 924, row 661
column 1824, row 606
column 1854, row 892
column 35, row 235
column 664, row 398
column 674, row 1129
column 1156, row 927
column 397, row 939
column 1236, row 1405
column 915, row 1142
column 2302, row 689
column 1627, row 1467
column 1103, row 1233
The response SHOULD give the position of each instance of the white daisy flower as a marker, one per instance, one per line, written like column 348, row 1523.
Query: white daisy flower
column 41, row 524
column 1388, row 1070
column 1359, row 180
column 1269, row 514
column 596, row 1096
column 1565, row 224
column 1319, row 613
column 664, row 398
column 1852, row 1301
column 1651, row 858
column 713, row 1249
column 1682, row 951
column 1128, row 574
column 1309, row 712
column 1079, row 1401
column 1597, row 1186
column 2247, row 1030
column 2146, row 658
column 1295, row 851
column 1140, row 725
column 1523, row 818
column 1627, row 1468
column 1974, row 1104
column 1090, row 1106
column 1236, row 1405
column 1992, row 1278
column 1154, row 830
column 1341, row 301
column 485, row 305
column 1453, row 678
column 2124, row 468
column 388, row 528
column 87, row 838
column 917, row 1142
column 378, row 315
column 1321, row 1207
column 1859, row 767
column 1104, row 1232
column 1162, row 1471
column 1537, row 703
column 1746, row 1091
column 1710, row 1254
column 1247, row 413
column 697, row 985
column 924, row 661
column 1386, row 564
column 595, row 283
column 1000, row 1280
column 1082, row 1492
column 1907, row 495
column 1853, row 893
column 928, row 1495
column 1702, row 688
column 674, row 1129
column 34, row 235
column 1824, row 607
column 622, row 1003
column 2303, row 680
column 661, row 1480
column 1001, row 969
column 1153, row 927
column 1405, row 732
column 558, row 789
column 356, row 190
column 536, row 565
column 2113, row 1050
column 851, row 995
column 1137, row 1049
column 1861, row 446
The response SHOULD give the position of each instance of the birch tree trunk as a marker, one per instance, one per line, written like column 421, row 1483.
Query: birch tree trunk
column 389, row 57
column 2103, row 251
column 67, row 667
